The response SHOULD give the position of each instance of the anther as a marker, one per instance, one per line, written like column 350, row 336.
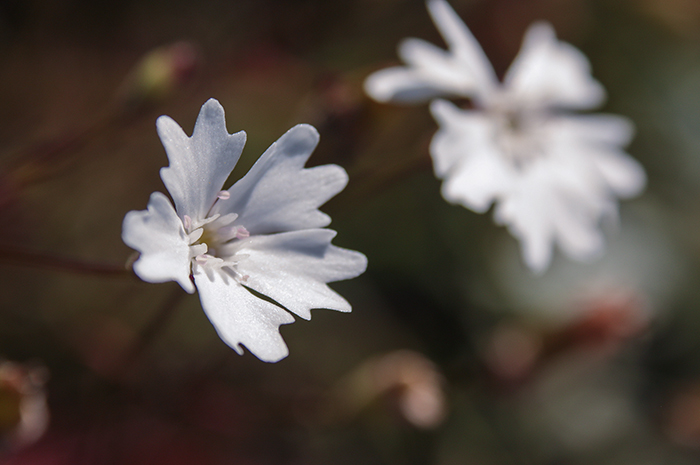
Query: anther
column 187, row 222
column 224, row 195
column 203, row 258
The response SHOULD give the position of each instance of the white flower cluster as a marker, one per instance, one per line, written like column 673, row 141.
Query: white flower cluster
column 259, row 252
column 552, row 175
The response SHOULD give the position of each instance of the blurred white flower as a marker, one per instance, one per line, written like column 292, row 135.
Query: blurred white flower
column 552, row 176
column 264, row 234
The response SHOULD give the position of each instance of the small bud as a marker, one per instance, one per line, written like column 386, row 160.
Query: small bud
column 159, row 74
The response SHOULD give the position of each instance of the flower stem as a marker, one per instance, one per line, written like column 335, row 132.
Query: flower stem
column 152, row 328
column 21, row 256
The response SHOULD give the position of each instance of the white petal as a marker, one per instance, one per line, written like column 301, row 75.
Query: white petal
column 434, row 72
column 578, row 233
column 464, row 154
column 478, row 182
column 199, row 165
column 537, row 244
column 598, row 129
column 242, row 318
column 278, row 193
column 557, row 199
column 526, row 213
column 551, row 73
column 293, row 268
column 460, row 133
column 462, row 70
column 464, row 45
column 596, row 138
column 400, row 84
column 624, row 175
column 579, row 200
column 158, row 234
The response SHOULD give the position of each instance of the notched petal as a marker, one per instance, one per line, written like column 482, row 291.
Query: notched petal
column 551, row 73
column 157, row 233
column 463, row 70
column 402, row 85
column 278, row 194
column 464, row 45
column 293, row 269
column 199, row 165
column 242, row 319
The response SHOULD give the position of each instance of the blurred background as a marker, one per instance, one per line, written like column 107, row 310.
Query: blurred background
column 454, row 352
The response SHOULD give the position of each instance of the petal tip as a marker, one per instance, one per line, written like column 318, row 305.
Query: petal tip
column 165, row 125
column 273, row 358
column 376, row 87
column 301, row 139
column 541, row 29
column 443, row 110
column 306, row 131
column 435, row 6
column 440, row 105
column 212, row 107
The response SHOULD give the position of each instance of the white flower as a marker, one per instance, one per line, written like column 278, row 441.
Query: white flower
column 552, row 175
column 265, row 233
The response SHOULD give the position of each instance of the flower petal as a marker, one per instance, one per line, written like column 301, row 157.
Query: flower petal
column 556, row 199
column 464, row 154
column 596, row 138
column 551, row 73
column 464, row 46
column 199, row 165
column 407, row 85
column 460, row 133
column 278, row 193
column 240, row 317
column 577, row 231
column 525, row 211
column 293, row 268
column 624, row 175
column 598, row 129
column 462, row 70
column 158, row 234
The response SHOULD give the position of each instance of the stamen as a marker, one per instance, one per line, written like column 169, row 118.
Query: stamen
column 203, row 258
column 187, row 222
column 227, row 218
column 234, row 273
column 199, row 224
column 224, row 195
column 195, row 235
column 242, row 232
column 198, row 249
column 227, row 233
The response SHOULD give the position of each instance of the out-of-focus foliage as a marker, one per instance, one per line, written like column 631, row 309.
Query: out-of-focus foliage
column 454, row 352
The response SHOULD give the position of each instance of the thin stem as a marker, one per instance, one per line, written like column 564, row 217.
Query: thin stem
column 161, row 318
column 21, row 256
column 372, row 181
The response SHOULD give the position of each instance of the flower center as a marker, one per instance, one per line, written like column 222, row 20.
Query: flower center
column 518, row 134
column 208, row 241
